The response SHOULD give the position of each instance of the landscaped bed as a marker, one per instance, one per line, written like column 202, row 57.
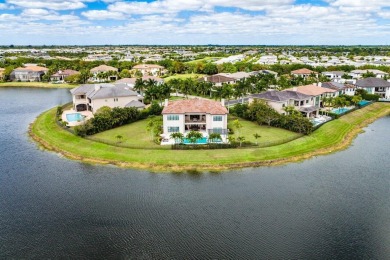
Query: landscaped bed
column 331, row 137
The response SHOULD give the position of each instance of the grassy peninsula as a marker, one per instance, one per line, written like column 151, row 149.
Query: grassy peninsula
column 331, row 137
column 15, row 84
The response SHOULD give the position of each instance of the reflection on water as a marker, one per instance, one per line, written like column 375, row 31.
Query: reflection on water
column 333, row 206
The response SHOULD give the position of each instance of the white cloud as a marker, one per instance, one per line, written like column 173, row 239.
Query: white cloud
column 49, row 4
column 175, row 6
column 103, row 15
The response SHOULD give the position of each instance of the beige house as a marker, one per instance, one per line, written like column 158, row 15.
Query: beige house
column 318, row 93
column 2, row 73
column 91, row 97
column 62, row 74
column 28, row 73
column 218, row 79
column 150, row 69
column 104, row 73
column 304, row 73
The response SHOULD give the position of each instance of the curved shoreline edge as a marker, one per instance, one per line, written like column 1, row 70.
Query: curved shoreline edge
column 242, row 158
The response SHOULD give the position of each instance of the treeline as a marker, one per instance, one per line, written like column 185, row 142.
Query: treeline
column 260, row 112
column 107, row 118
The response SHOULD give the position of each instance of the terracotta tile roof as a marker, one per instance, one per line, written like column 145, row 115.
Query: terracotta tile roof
column 65, row 73
column 32, row 68
column 312, row 90
column 195, row 106
column 103, row 68
column 303, row 71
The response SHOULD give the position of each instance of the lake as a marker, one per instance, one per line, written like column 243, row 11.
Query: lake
column 334, row 207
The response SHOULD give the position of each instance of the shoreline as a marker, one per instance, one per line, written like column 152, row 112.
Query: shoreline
column 346, row 140
column 36, row 85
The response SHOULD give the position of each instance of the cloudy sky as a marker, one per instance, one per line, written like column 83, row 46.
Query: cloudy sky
column 301, row 22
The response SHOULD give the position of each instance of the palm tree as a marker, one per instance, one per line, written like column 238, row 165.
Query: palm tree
column 214, row 137
column 193, row 136
column 139, row 85
column 178, row 137
column 256, row 136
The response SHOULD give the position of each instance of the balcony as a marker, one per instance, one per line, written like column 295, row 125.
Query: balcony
column 195, row 119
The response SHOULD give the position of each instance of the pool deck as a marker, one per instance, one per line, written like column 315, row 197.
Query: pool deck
column 88, row 115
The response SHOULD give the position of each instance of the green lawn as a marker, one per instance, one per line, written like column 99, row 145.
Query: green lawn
column 184, row 76
column 36, row 85
column 135, row 135
column 330, row 137
column 268, row 134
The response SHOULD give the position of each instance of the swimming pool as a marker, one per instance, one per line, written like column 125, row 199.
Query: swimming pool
column 74, row 117
column 340, row 110
column 364, row 103
column 198, row 141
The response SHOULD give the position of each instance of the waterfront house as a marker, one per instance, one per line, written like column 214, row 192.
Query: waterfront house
column 203, row 115
column 279, row 100
column 318, row 93
column 131, row 81
column 2, row 73
column 150, row 69
column 342, row 88
column 373, row 85
column 30, row 72
column 62, row 74
column 103, row 73
column 91, row 97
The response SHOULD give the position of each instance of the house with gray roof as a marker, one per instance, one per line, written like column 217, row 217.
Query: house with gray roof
column 342, row 88
column 91, row 97
column 376, row 86
column 279, row 100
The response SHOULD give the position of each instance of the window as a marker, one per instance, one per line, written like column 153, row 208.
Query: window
column 217, row 130
column 173, row 129
column 173, row 117
column 307, row 101
column 217, row 118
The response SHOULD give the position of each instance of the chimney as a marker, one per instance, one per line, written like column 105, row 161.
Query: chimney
column 97, row 87
column 319, row 84
column 294, row 88
column 166, row 102
column 223, row 102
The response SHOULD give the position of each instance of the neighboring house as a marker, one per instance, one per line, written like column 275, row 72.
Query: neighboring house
column 28, row 73
column 266, row 72
column 346, row 89
column 62, row 74
column 318, row 93
column 304, row 73
column 131, row 81
column 377, row 86
column 217, row 80
column 279, row 100
column 358, row 74
column 333, row 75
column 91, row 97
column 237, row 75
column 206, row 116
column 231, row 59
column 150, row 69
column 98, row 71
column 2, row 73
column 268, row 59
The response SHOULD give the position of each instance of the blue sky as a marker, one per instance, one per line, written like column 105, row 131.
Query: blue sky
column 301, row 22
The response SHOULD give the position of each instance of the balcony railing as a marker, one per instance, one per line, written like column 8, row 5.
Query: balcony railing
column 218, row 131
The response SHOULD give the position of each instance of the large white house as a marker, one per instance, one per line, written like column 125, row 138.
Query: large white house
column 91, row 97
column 205, row 116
